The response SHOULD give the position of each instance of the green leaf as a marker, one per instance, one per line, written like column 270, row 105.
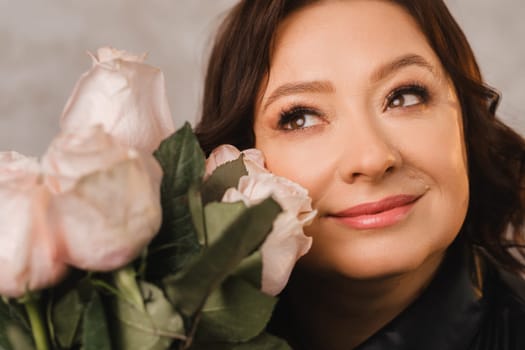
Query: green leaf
column 225, row 176
column 154, row 328
column 182, row 162
column 264, row 341
column 197, row 214
column 218, row 216
column 66, row 317
column 126, row 283
column 15, row 333
column 236, row 312
column 189, row 289
column 95, row 333
column 250, row 269
column 19, row 339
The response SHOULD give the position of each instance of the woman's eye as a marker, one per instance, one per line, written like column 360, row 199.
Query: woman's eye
column 407, row 97
column 298, row 118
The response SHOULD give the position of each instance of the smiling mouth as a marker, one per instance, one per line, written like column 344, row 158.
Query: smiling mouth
column 383, row 213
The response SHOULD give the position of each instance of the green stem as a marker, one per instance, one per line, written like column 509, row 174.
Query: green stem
column 126, row 282
column 38, row 326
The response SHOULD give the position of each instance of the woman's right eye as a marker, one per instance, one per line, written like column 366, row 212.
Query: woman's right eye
column 298, row 118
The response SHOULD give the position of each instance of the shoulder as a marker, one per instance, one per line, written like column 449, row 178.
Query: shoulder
column 503, row 324
column 507, row 295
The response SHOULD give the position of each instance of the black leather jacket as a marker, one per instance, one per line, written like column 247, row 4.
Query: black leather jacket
column 450, row 314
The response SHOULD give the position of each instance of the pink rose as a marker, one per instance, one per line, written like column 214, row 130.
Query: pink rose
column 291, row 196
column 73, row 155
column 286, row 243
column 107, row 198
column 17, row 167
column 30, row 254
column 281, row 250
column 253, row 159
column 126, row 96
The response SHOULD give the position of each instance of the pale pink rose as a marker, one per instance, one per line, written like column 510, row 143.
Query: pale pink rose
column 30, row 255
column 253, row 159
column 287, row 242
column 18, row 170
column 73, row 155
column 107, row 54
column 126, row 96
column 107, row 198
column 281, row 250
column 291, row 196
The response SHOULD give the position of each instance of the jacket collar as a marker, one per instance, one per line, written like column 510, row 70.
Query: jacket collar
column 446, row 316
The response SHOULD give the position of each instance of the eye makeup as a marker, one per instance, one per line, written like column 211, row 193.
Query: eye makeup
column 404, row 96
column 397, row 97
column 295, row 117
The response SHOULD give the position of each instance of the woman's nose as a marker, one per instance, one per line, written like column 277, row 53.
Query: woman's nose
column 368, row 154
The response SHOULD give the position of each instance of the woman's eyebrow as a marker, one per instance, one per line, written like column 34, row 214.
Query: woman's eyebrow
column 323, row 86
column 317, row 86
column 398, row 63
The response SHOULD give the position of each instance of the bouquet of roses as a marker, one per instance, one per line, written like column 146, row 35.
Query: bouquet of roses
column 123, row 236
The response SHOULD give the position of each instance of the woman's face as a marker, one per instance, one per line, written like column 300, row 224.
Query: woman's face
column 357, row 109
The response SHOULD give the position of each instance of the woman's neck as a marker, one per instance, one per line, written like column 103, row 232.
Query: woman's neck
column 335, row 312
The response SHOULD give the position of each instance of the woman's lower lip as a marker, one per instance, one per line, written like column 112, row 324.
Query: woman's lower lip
column 378, row 220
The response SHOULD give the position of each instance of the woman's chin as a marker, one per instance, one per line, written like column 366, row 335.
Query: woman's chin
column 360, row 262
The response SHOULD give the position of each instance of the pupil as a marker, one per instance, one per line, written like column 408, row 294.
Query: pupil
column 398, row 101
column 299, row 121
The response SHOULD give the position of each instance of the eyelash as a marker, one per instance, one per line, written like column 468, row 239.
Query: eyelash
column 292, row 113
column 409, row 89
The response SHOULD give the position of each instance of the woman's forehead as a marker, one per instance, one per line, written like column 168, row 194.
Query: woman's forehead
column 372, row 22
column 356, row 37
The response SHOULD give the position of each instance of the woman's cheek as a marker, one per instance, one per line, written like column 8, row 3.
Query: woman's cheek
column 435, row 149
column 308, row 165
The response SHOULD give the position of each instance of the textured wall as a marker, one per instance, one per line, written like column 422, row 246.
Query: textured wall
column 43, row 47
column 496, row 30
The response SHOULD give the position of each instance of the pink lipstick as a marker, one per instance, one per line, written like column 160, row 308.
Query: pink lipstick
column 383, row 213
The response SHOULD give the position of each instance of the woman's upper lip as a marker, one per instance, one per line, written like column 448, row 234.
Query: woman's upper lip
column 384, row 204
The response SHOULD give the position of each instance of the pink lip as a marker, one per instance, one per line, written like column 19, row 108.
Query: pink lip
column 383, row 213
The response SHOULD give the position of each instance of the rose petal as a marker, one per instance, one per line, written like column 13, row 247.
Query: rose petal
column 111, row 215
column 253, row 159
column 280, row 251
column 73, row 155
column 286, row 243
column 219, row 156
column 124, row 95
column 18, row 170
column 290, row 196
column 30, row 255
column 108, row 54
column 233, row 195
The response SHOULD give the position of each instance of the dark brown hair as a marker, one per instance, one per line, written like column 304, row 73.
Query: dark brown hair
column 241, row 57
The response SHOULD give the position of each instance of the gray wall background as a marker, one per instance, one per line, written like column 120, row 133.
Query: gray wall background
column 43, row 45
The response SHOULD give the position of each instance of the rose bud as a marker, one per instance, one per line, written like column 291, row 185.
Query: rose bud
column 126, row 96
